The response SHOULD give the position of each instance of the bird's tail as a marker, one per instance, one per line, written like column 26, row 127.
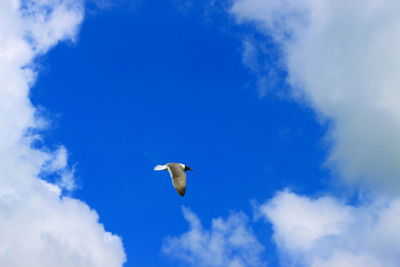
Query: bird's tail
column 160, row 167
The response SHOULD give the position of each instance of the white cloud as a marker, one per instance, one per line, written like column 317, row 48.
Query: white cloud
column 58, row 165
column 44, row 29
column 298, row 216
column 229, row 243
column 343, row 59
column 40, row 227
column 326, row 232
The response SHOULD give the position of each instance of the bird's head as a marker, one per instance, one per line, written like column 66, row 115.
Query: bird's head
column 187, row 168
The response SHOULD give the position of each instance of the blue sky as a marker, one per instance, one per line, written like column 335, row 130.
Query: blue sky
column 149, row 86
column 286, row 111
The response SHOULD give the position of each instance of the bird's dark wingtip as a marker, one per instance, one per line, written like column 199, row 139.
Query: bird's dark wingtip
column 182, row 192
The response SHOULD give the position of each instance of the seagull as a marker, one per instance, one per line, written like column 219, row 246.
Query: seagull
column 178, row 175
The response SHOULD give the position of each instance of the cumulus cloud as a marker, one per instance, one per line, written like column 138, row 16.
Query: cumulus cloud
column 343, row 60
column 325, row 232
column 229, row 243
column 40, row 226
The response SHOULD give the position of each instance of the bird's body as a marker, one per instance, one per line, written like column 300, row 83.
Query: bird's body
column 178, row 175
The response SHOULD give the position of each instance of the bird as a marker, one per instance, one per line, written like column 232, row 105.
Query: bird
column 178, row 175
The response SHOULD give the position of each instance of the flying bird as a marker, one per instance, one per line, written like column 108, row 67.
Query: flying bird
column 178, row 175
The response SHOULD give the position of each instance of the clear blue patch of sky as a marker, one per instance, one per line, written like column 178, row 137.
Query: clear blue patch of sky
column 154, row 84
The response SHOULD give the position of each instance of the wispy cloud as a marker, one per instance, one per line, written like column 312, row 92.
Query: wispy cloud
column 40, row 226
column 229, row 242
column 261, row 62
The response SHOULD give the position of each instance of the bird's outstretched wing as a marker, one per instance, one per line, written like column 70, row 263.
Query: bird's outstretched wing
column 178, row 177
column 160, row 167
